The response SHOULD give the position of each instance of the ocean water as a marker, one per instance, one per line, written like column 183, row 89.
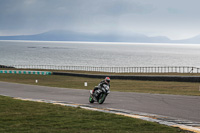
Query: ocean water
column 98, row 54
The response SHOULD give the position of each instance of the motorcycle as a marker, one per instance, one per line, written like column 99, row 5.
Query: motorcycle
column 100, row 94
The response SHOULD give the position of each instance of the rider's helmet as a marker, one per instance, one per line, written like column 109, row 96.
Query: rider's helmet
column 107, row 80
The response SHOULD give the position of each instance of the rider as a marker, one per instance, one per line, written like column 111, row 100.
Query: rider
column 105, row 81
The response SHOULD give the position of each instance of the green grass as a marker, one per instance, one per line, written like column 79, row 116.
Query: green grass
column 32, row 117
column 160, row 87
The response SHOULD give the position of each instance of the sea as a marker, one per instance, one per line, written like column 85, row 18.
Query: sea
column 98, row 54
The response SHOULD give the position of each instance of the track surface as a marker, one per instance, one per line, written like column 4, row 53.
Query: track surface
column 182, row 107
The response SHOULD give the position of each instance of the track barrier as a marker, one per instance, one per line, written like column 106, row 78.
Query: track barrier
column 135, row 77
column 161, row 69
column 25, row 72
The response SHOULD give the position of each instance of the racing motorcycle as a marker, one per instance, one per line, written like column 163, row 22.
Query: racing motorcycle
column 100, row 94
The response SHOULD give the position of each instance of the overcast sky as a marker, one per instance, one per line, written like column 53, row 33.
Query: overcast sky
column 175, row 19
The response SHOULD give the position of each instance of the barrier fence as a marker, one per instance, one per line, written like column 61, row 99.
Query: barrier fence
column 25, row 72
column 166, row 69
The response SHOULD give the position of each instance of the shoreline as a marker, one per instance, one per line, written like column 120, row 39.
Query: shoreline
column 91, row 42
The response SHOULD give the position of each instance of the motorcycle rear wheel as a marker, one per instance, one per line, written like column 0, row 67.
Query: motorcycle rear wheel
column 102, row 98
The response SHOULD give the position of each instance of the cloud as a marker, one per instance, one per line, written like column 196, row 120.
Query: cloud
column 171, row 18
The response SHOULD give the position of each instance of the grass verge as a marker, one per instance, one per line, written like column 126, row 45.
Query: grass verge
column 33, row 117
column 159, row 87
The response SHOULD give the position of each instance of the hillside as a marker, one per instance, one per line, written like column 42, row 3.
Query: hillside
column 61, row 35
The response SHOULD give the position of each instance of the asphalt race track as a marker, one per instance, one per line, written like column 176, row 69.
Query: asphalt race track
column 181, row 107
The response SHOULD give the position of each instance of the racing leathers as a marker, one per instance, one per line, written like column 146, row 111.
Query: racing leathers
column 100, row 85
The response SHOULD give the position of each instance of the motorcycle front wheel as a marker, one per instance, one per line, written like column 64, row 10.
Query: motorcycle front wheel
column 91, row 99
